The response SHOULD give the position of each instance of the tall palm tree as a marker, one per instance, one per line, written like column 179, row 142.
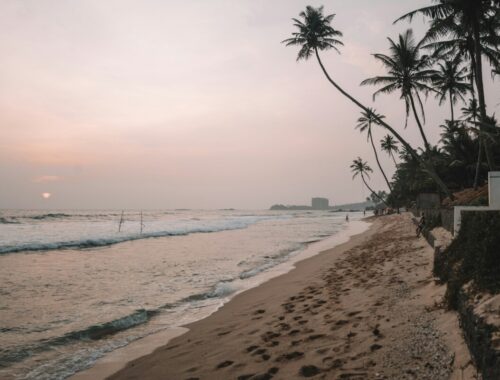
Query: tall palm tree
column 361, row 168
column 407, row 72
column 365, row 124
column 390, row 146
column 480, row 21
column 451, row 82
column 470, row 114
column 316, row 34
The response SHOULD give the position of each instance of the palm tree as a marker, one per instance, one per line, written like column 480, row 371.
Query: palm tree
column 315, row 34
column 361, row 168
column 471, row 113
column 458, row 148
column 408, row 72
column 365, row 124
column 450, row 80
column 390, row 146
column 479, row 19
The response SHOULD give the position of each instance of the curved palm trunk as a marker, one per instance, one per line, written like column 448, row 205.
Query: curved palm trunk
column 378, row 163
column 451, row 106
column 480, row 91
column 373, row 192
column 426, row 166
column 426, row 143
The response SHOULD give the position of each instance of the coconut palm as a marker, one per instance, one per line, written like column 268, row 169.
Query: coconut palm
column 477, row 19
column 390, row 146
column 315, row 34
column 471, row 111
column 470, row 114
column 408, row 72
column 365, row 124
column 361, row 168
column 451, row 82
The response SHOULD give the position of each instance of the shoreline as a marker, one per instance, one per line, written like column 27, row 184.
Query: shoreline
column 119, row 358
column 368, row 308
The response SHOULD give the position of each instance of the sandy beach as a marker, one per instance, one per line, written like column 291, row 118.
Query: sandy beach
column 365, row 309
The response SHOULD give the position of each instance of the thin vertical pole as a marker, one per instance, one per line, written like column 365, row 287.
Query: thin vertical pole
column 120, row 223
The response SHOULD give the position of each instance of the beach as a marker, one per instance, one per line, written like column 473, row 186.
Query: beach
column 365, row 309
column 134, row 290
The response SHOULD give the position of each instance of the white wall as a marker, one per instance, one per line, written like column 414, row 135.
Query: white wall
column 494, row 189
column 493, row 201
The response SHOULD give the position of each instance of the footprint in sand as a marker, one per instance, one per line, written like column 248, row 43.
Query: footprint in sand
column 290, row 356
column 224, row 364
column 269, row 336
column 284, row 326
column 259, row 351
column 375, row 347
column 251, row 348
column 332, row 363
column 309, row 371
column 315, row 336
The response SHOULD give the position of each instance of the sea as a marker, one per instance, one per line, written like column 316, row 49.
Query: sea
column 76, row 285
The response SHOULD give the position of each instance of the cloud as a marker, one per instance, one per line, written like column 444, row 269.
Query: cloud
column 46, row 178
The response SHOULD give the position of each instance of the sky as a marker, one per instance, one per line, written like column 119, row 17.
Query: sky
column 128, row 104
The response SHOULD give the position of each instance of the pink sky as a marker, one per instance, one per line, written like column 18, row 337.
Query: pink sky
column 173, row 104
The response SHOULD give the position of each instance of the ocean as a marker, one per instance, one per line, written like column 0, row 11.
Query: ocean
column 76, row 285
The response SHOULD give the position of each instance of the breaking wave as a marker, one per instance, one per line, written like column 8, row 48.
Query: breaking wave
column 181, row 230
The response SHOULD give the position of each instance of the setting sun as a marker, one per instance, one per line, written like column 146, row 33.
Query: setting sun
column 46, row 195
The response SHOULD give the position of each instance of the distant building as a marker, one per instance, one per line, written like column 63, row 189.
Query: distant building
column 319, row 204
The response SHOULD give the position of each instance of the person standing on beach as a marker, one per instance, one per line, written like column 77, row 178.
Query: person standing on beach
column 421, row 225
column 347, row 217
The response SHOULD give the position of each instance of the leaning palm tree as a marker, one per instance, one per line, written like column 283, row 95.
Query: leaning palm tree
column 361, row 168
column 408, row 72
column 365, row 124
column 316, row 34
column 390, row 146
column 451, row 81
column 478, row 19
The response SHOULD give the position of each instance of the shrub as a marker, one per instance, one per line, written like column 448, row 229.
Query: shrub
column 473, row 255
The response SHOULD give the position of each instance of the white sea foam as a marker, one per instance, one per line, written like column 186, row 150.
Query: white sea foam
column 18, row 236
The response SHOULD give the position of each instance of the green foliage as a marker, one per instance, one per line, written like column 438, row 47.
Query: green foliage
column 473, row 255
column 315, row 33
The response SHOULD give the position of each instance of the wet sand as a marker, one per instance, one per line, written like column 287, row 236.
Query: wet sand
column 367, row 309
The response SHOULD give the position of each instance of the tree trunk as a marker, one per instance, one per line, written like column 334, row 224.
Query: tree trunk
column 480, row 91
column 373, row 192
column 378, row 162
column 478, row 163
column 426, row 144
column 451, row 106
column 428, row 168
column 395, row 163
